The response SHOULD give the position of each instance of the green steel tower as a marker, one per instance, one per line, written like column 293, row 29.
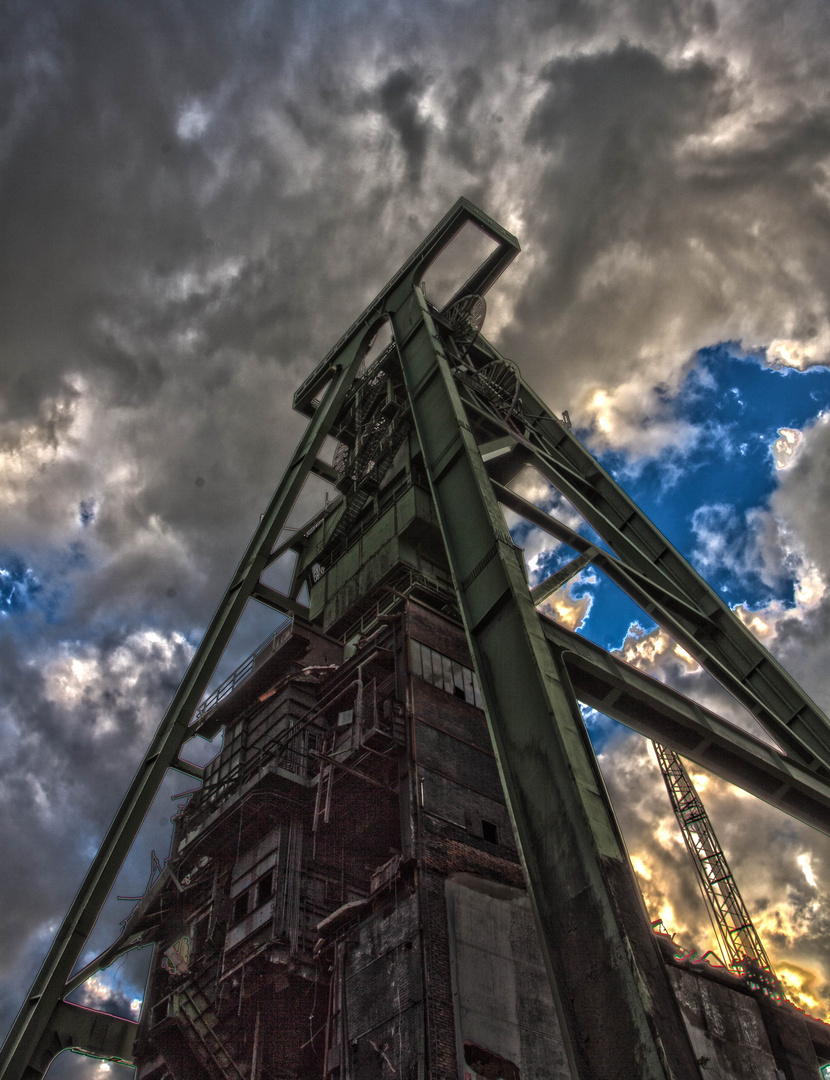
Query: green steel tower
column 404, row 861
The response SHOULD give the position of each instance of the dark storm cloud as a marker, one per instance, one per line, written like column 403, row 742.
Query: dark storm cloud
column 398, row 96
column 611, row 126
column 74, row 724
column 672, row 187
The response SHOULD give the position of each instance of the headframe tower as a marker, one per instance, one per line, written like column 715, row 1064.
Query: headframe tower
column 415, row 548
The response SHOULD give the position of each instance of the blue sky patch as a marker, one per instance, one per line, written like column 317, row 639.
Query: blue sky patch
column 86, row 511
column 18, row 586
column 738, row 406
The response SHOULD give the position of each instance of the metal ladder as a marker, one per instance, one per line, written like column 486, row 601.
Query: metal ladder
column 206, row 1042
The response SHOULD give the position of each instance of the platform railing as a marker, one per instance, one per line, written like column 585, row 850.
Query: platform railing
column 278, row 638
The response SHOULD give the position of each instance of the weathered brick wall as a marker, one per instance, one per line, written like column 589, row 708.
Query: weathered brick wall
column 458, row 785
column 385, row 991
column 439, row 633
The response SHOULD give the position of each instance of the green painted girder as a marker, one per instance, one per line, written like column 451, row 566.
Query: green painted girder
column 88, row 1031
column 659, row 579
column 608, row 684
column 616, row 1008
column 400, row 286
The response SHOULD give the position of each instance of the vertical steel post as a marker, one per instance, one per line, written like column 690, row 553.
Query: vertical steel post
column 619, row 1015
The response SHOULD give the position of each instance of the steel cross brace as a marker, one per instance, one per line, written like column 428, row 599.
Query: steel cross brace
column 617, row 1011
column 660, row 580
column 796, row 783
column 606, row 683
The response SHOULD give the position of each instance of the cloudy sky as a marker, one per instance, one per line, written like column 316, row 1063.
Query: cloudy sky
column 198, row 198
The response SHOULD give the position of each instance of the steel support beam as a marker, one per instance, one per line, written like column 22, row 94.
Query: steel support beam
column 660, row 580
column 616, row 689
column 71, row 1027
column 618, row 1013
column 708, row 639
column 555, row 581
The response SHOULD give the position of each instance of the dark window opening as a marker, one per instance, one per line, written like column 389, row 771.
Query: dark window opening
column 487, row 1064
column 264, row 889
column 446, row 674
column 489, row 832
column 199, row 934
column 240, row 907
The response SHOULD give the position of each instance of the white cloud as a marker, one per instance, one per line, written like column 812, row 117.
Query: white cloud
column 805, row 864
column 193, row 120
column 571, row 605
column 800, row 353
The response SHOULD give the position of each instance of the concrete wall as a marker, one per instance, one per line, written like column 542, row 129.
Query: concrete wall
column 503, row 1001
column 739, row 1037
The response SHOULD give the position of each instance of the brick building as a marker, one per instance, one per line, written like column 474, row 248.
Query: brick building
column 344, row 897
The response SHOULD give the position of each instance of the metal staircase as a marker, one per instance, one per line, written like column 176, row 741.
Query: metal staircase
column 194, row 1016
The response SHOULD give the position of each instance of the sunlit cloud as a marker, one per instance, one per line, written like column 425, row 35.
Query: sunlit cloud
column 785, row 447
column 648, row 649
column 571, row 605
column 800, row 353
column 635, row 417
column 804, row 862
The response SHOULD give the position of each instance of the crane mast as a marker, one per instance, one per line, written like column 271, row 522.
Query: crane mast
column 743, row 950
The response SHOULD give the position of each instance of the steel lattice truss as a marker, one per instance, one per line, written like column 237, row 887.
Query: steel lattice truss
column 476, row 425
column 733, row 923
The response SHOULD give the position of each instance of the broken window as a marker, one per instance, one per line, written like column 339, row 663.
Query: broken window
column 484, row 830
column 446, row 674
column 264, row 889
column 489, row 832
column 252, row 884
